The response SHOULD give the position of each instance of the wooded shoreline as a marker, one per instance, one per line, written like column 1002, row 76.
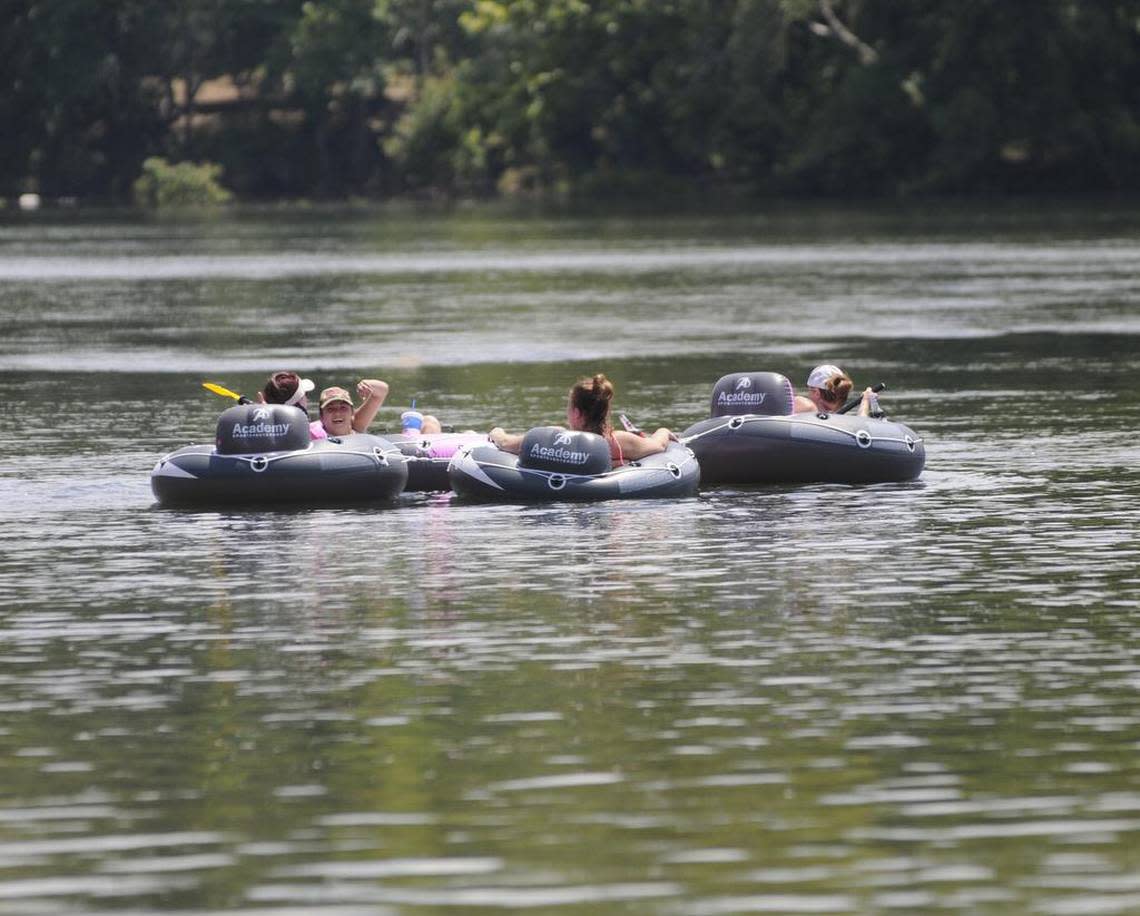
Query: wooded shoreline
column 569, row 99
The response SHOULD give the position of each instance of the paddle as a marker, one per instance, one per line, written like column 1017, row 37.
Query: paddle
column 855, row 402
column 226, row 393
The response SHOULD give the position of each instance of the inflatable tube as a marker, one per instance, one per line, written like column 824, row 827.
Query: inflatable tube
column 263, row 456
column 429, row 455
column 556, row 464
column 762, row 441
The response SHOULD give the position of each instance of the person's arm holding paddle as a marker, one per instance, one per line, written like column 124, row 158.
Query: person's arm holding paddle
column 866, row 403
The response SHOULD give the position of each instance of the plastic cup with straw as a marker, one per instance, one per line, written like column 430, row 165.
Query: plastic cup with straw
column 412, row 420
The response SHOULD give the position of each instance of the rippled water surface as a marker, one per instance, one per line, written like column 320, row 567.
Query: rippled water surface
column 823, row 699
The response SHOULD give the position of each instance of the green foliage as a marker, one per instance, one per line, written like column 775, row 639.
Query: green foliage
column 180, row 186
column 432, row 148
column 343, row 97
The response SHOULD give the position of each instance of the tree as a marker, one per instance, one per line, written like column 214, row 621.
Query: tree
column 332, row 65
column 82, row 111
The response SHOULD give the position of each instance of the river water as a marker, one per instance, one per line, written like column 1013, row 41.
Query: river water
column 820, row 699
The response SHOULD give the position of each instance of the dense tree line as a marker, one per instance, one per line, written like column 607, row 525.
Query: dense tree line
column 327, row 98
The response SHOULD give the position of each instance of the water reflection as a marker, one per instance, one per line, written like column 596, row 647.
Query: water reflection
column 814, row 699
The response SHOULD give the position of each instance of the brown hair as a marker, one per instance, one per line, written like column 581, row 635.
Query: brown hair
column 836, row 389
column 591, row 397
column 280, row 387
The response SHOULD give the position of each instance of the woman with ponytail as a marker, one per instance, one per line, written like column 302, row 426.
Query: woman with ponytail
column 828, row 387
column 588, row 410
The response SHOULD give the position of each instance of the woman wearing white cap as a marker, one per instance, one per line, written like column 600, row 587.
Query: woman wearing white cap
column 828, row 387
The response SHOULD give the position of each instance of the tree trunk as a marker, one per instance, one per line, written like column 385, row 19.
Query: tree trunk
column 833, row 25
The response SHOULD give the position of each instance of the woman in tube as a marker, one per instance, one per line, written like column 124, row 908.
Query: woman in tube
column 588, row 410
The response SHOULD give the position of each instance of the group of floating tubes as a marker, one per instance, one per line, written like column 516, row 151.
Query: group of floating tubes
column 262, row 455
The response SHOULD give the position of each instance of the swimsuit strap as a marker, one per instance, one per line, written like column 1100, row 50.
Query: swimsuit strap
column 616, row 457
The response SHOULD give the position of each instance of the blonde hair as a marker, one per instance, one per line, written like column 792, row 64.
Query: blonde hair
column 836, row 389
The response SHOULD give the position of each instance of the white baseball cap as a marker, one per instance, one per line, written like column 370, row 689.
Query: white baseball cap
column 818, row 376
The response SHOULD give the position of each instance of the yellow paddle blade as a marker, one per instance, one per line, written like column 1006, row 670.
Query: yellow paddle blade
column 218, row 389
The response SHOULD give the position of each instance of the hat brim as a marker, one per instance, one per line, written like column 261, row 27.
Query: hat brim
column 304, row 386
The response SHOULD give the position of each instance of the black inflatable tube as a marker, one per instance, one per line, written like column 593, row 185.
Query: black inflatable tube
column 804, row 448
column 356, row 470
column 428, row 457
column 485, row 473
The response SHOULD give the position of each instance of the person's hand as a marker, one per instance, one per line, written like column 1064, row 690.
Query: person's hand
column 496, row 436
column 371, row 388
column 869, row 405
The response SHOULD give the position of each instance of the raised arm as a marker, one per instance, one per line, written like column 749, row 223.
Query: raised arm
column 372, row 392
